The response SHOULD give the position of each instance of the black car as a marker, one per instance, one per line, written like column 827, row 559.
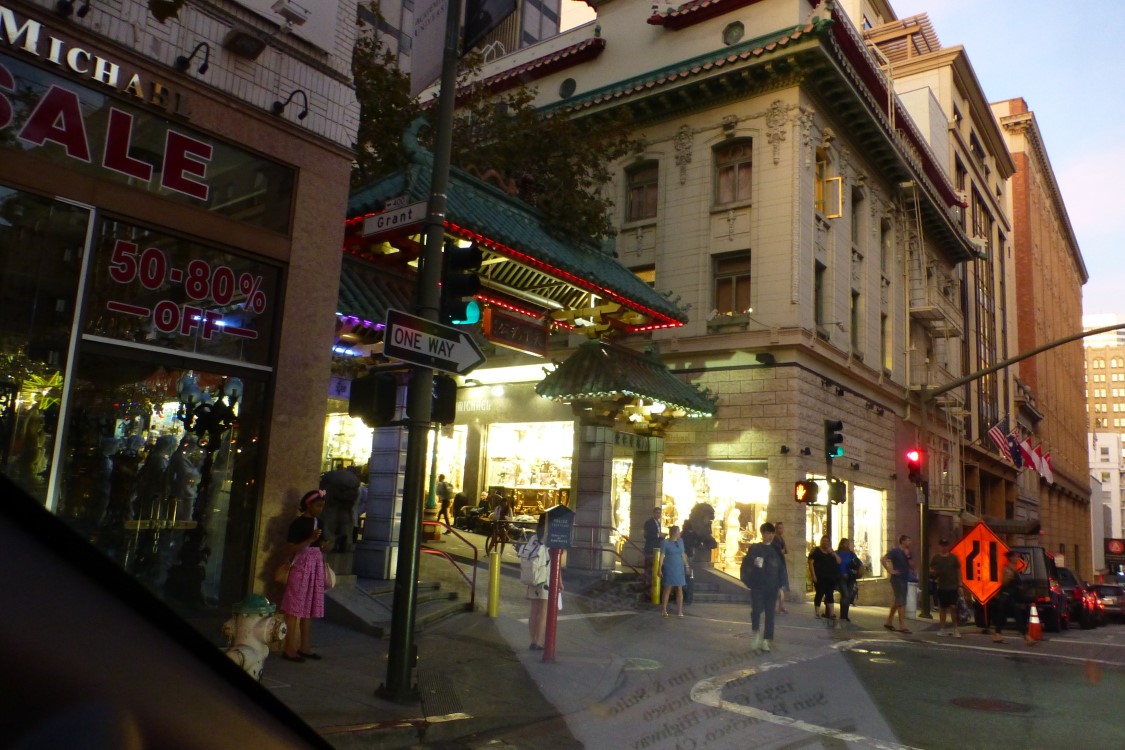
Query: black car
column 1083, row 607
column 1039, row 585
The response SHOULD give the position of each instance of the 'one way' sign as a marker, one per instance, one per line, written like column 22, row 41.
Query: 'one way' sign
column 429, row 344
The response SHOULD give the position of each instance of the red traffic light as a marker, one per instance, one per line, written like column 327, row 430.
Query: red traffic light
column 914, row 465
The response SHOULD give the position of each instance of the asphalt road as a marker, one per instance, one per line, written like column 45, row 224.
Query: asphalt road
column 695, row 684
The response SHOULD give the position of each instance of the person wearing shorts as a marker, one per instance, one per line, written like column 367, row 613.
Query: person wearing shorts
column 897, row 563
column 946, row 569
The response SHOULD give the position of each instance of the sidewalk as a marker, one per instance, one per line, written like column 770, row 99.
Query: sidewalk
column 474, row 674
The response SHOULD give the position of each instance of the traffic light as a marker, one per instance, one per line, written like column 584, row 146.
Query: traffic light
column 443, row 408
column 837, row 492
column 914, row 465
column 833, row 438
column 459, row 283
column 373, row 398
column 806, row 491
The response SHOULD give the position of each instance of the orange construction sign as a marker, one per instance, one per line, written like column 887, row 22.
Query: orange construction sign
column 982, row 557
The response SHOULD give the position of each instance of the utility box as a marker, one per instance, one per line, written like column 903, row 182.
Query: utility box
column 560, row 527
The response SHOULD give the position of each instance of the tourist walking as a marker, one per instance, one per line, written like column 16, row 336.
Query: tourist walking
column 824, row 568
column 674, row 570
column 897, row 563
column 945, row 569
column 761, row 571
column 782, row 550
column 850, row 569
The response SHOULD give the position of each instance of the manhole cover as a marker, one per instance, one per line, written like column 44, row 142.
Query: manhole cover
column 992, row 705
column 641, row 665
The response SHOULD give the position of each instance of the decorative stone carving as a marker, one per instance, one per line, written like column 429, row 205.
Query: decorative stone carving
column 777, row 121
column 683, row 145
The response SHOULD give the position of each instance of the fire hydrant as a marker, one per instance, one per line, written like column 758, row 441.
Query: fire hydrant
column 251, row 630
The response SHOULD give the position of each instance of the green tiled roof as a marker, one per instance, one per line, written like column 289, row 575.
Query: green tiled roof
column 476, row 206
column 603, row 370
column 366, row 292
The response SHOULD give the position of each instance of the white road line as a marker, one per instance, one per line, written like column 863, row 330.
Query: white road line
column 709, row 693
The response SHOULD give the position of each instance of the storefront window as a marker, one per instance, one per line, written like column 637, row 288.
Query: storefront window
column 86, row 130
column 740, row 500
column 869, row 529
column 347, row 440
column 156, row 289
column 160, row 472
column 41, row 252
column 529, row 463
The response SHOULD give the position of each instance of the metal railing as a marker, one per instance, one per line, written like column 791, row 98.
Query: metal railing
column 594, row 545
column 472, row 582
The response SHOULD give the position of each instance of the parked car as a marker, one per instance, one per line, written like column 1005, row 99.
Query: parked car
column 1039, row 584
column 1082, row 606
column 1112, row 597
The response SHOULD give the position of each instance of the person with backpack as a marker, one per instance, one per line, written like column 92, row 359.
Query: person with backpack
column 761, row 573
column 535, row 573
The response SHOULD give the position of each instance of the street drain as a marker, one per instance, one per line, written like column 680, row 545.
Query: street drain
column 992, row 705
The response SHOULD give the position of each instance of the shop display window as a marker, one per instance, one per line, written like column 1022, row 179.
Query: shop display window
column 740, row 500
column 160, row 471
column 529, row 464
column 347, row 440
column 41, row 252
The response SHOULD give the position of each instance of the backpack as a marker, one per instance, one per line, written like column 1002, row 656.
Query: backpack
column 533, row 563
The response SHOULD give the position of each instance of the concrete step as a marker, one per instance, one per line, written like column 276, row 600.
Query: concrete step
column 367, row 609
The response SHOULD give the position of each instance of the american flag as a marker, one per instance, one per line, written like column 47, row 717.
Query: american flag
column 999, row 435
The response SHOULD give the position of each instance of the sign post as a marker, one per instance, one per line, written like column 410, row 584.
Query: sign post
column 560, row 535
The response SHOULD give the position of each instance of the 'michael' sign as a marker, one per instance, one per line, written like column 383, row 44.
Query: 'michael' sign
column 56, row 117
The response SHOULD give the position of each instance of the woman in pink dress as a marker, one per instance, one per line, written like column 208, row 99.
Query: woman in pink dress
column 304, row 591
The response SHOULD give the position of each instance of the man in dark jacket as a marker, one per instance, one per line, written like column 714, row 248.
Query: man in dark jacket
column 761, row 572
column 652, row 541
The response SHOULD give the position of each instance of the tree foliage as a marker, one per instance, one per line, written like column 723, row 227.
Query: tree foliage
column 557, row 164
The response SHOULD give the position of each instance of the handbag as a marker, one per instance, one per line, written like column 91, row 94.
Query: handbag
column 329, row 577
column 281, row 575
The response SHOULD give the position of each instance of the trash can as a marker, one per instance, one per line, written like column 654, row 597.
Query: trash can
column 912, row 600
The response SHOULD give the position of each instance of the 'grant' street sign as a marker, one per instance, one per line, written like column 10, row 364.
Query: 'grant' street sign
column 429, row 344
column 394, row 219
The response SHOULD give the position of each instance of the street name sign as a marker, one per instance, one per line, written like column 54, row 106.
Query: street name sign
column 395, row 218
column 429, row 344
column 982, row 557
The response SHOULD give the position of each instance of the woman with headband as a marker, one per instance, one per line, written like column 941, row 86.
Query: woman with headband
column 304, row 591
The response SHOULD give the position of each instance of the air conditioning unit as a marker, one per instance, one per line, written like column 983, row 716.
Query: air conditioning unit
column 294, row 14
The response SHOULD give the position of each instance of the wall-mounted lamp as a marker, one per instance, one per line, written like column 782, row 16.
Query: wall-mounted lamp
column 894, row 477
column 279, row 107
column 765, row 358
column 65, row 7
column 879, row 411
column 839, row 390
column 806, row 451
column 870, row 406
column 784, row 449
column 825, row 382
column 183, row 63
column 245, row 44
column 855, row 466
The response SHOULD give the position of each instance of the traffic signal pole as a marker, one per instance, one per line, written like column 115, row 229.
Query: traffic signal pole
column 402, row 651
column 925, row 395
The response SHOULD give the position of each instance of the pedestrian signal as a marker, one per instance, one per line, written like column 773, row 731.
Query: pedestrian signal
column 806, row 491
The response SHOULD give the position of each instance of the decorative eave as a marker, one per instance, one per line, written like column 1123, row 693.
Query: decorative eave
column 698, row 11
column 601, row 371
column 540, row 67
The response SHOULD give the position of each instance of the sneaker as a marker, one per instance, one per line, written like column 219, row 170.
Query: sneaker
column 766, row 646
column 943, row 631
column 757, row 644
column 956, row 633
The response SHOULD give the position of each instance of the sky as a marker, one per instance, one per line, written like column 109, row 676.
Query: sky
column 1062, row 59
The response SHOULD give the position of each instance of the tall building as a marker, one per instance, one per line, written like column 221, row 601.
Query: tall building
column 1107, row 466
column 1050, row 403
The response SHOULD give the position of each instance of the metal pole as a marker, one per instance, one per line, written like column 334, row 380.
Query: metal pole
column 827, row 499
column 553, row 590
column 402, row 653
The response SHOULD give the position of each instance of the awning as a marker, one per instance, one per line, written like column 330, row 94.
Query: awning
column 600, row 370
column 367, row 292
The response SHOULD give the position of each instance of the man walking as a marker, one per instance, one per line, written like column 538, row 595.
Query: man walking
column 444, row 492
column 761, row 572
column 897, row 563
column 946, row 568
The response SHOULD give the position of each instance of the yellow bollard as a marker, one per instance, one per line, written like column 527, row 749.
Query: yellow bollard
column 655, row 577
column 494, row 584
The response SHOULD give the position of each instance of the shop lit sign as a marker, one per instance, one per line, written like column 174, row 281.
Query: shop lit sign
column 199, row 281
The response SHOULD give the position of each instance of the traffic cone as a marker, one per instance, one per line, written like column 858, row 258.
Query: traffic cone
column 1034, row 628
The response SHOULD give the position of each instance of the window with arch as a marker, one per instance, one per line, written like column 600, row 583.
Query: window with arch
column 734, row 169
column 641, row 182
